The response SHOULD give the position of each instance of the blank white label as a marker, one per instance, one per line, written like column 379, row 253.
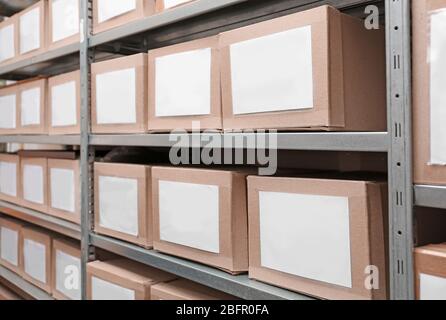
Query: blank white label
column 7, row 44
column 30, row 31
column 8, row 112
column 8, row 178
column 273, row 73
column 65, row 14
column 9, row 245
column 183, row 84
column 306, row 235
column 64, row 105
column 33, row 183
column 116, row 97
column 108, row 9
column 68, row 275
column 34, row 254
column 189, row 215
column 30, row 107
column 118, row 204
column 172, row 3
column 62, row 189
column 432, row 287
column 437, row 88
column 104, row 290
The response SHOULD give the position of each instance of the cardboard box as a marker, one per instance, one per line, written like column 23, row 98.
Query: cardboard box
column 119, row 95
column 108, row 15
column 32, row 107
column 64, row 102
column 66, row 267
column 9, row 47
column 8, row 295
column 184, row 86
column 183, row 289
column 8, row 109
column 64, row 189
column 122, row 209
column 63, row 23
column 162, row 5
column 304, row 71
column 201, row 215
column 122, row 280
column 10, row 248
column 34, row 183
column 32, row 30
column 36, row 257
column 10, row 178
column 429, row 98
column 318, row 236
column 430, row 272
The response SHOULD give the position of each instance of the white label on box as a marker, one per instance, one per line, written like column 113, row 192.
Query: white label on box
column 62, row 189
column 30, row 107
column 65, row 14
column 63, row 105
column 8, row 112
column 118, row 204
column 437, row 88
column 432, row 287
column 173, row 3
column 7, row 44
column 34, row 259
column 116, row 97
column 9, row 245
column 68, row 275
column 8, row 178
column 189, row 215
column 104, row 290
column 273, row 73
column 108, row 9
column 183, row 84
column 33, row 183
column 30, row 31
column 307, row 236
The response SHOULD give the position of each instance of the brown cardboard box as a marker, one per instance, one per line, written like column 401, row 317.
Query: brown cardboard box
column 10, row 178
column 122, row 208
column 183, row 289
column 108, row 16
column 122, row 280
column 201, row 215
column 429, row 95
column 430, row 272
column 63, row 23
column 184, row 86
column 327, row 90
column 64, row 103
column 32, row 107
column 66, row 269
column 9, row 50
column 119, row 95
column 32, row 30
column 36, row 257
column 64, row 189
column 9, row 110
column 34, row 183
column 162, row 5
column 8, row 295
column 318, row 236
column 10, row 247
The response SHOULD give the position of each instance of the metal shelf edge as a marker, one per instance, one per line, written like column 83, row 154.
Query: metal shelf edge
column 41, row 139
column 430, row 196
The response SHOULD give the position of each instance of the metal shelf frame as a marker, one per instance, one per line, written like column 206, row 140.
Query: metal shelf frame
column 42, row 139
column 430, row 196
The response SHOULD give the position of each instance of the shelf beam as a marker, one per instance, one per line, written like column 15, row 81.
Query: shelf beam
column 41, row 139
column 430, row 196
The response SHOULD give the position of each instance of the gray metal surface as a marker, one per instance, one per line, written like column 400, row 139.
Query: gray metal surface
column 400, row 153
column 430, row 196
column 24, row 285
column 42, row 139
column 239, row 286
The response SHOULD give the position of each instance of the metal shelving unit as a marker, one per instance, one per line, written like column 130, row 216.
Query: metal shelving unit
column 24, row 285
column 430, row 196
column 42, row 139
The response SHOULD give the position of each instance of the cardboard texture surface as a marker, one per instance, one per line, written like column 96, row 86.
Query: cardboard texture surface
column 32, row 35
column 232, row 253
column 340, row 58
column 117, row 220
column 63, row 23
column 10, row 178
column 10, row 245
column 424, row 171
column 430, row 263
column 8, row 295
column 9, row 46
column 34, row 183
column 31, row 107
column 9, row 110
column 366, row 236
column 126, row 274
column 119, row 92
